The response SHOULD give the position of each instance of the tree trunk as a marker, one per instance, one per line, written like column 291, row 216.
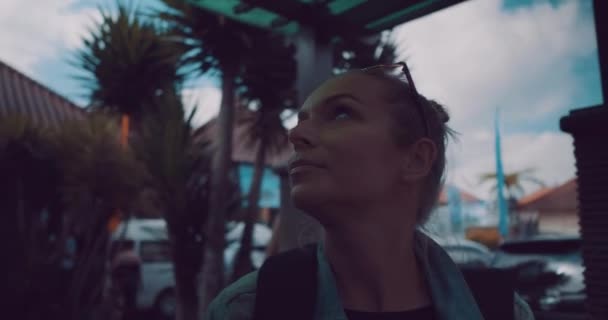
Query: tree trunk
column 185, row 280
column 243, row 264
column 187, row 309
column 212, row 272
column 87, row 280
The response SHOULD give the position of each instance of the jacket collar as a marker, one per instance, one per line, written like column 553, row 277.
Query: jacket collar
column 450, row 294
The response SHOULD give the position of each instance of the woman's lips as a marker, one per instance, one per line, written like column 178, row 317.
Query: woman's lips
column 302, row 165
column 302, row 168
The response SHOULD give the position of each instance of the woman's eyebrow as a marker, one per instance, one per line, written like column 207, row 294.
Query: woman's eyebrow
column 303, row 115
column 339, row 96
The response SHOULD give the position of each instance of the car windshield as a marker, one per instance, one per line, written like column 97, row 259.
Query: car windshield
column 155, row 251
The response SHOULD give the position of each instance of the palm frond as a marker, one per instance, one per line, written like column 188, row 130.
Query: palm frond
column 356, row 53
column 126, row 60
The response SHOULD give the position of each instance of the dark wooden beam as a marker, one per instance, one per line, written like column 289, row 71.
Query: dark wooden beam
column 316, row 16
column 417, row 12
column 242, row 8
column 373, row 10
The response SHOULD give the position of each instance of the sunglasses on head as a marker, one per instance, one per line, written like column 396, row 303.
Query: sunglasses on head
column 398, row 69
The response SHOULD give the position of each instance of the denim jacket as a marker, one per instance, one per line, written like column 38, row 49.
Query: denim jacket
column 452, row 299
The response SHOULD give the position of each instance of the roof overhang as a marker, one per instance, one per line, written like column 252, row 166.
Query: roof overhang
column 337, row 17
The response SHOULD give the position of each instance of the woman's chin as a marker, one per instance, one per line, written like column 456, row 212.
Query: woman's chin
column 306, row 197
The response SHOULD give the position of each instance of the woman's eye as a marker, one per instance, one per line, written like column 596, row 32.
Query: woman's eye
column 341, row 113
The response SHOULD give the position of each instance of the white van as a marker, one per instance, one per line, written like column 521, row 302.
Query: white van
column 151, row 243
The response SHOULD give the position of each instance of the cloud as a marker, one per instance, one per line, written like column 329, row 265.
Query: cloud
column 477, row 56
column 35, row 30
column 207, row 101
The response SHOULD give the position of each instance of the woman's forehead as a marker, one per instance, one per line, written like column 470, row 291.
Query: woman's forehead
column 357, row 84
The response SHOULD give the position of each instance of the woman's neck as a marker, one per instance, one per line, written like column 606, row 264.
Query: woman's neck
column 375, row 267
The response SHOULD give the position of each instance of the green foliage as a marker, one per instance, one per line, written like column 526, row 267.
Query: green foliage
column 211, row 41
column 269, row 80
column 180, row 172
column 30, row 177
column 61, row 183
column 127, row 61
column 27, row 161
column 96, row 168
column 213, row 45
column 513, row 181
column 178, row 165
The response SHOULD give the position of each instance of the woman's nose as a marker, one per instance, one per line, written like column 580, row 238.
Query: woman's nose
column 299, row 137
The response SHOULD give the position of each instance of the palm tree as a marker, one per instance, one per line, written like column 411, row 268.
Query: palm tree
column 269, row 79
column 180, row 181
column 127, row 62
column 513, row 182
column 213, row 44
column 133, row 67
column 356, row 53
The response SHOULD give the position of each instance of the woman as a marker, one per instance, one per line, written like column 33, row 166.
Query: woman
column 368, row 165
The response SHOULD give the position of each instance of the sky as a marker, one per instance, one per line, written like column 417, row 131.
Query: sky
column 534, row 60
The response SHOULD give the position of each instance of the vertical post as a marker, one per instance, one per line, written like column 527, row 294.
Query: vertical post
column 588, row 128
column 314, row 65
column 314, row 62
column 600, row 9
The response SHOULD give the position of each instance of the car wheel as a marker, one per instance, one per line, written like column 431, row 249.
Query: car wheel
column 166, row 304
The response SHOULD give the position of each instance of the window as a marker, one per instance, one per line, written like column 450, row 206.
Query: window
column 155, row 251
column 119, row 246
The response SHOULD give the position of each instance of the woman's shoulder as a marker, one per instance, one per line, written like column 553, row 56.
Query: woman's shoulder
column 235, row 302
column 522, row 309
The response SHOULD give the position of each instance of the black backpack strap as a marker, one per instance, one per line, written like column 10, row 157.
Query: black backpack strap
column 287, row 285
column 493, row 290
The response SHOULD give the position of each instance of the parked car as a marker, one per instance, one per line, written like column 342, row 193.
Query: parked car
column 548, row 272
column 465, row 253
column 150, row 242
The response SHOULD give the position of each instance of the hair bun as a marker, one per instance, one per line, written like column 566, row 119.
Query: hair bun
column 442, row 113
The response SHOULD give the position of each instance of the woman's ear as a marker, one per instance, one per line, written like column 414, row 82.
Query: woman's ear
column 419, row 160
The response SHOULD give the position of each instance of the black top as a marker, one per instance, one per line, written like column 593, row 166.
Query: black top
column 426, row 313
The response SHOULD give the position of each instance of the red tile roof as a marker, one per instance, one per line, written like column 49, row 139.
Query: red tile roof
column 21, row 95
column 562, row 197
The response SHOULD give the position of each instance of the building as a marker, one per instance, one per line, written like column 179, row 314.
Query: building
column 23, row 96
column 555, row 208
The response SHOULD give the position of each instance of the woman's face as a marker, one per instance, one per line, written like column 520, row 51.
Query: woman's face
column 345, row 154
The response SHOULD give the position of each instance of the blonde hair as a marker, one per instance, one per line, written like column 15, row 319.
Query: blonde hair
column 409, row 127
